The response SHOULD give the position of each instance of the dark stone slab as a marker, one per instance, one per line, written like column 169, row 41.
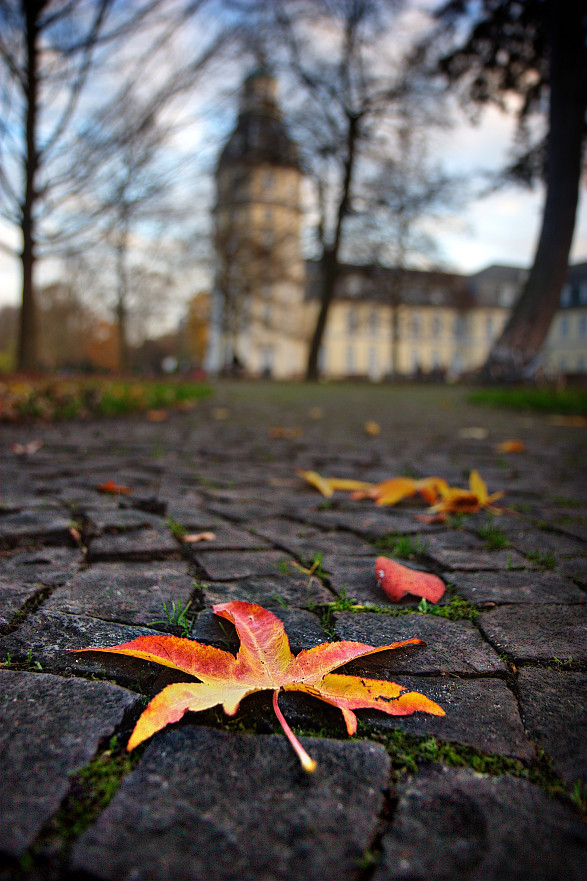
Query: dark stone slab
column 45, row 526
column 231, row 565
column 451, row 646
column 306, row 541
column 280, row 589
column 122, row 519
column 536, row 633
column 544, row 541
column 130, row 593
column 48, row 566
column 481, row 713
column 207, row 804
column 453, row 823
column 553, row 709
column 193, row 517
column 141, row 544
column 50, row 637
column 474, row 556
column 50, row 727
column 303, row 628
column 516, row 587
column 12, row 599
column 231, row 538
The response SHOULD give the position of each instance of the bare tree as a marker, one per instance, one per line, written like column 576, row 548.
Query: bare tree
column 52, row 54
column 535, row 51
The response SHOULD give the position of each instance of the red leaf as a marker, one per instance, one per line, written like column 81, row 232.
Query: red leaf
column 113, row 488
column 396, row 581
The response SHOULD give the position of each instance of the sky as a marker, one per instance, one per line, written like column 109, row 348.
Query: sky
column 501, row 228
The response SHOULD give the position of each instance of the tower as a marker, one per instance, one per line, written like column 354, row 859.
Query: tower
column 257, row 302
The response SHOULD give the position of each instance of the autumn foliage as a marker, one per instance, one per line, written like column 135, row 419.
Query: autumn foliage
column 264, row 662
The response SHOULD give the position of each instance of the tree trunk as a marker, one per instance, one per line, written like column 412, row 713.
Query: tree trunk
column 528, row 325
column 328, row 275
column 28, row 355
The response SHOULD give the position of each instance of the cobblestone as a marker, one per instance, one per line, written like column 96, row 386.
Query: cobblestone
column 224, row 798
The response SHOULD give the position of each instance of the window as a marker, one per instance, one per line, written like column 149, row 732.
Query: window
column 563, row 328
column 352, row 320
column 436, row 327
column 489, row 327
column 372, row 362
column 583, row 293
column 373, row 322
column 268, row 180
column 459, row 327
column 350, row 360
column 581, row 325
column 415, row 326
column 566, row 295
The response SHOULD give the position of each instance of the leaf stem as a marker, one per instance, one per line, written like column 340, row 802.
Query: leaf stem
column 308, row 764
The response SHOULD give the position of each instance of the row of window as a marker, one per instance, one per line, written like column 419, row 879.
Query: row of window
column 416, row 328
column 373, row 367
column 568, row 324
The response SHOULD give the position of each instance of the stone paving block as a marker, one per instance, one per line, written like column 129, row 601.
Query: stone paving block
column 228, row 537
column 130, row 593
column 50, row 638
column 231, row 565
column 481, row 713
column 44, row 526
column 553, row 710
column 303, row 628
column 544, row 541
column 284, row 588
column 122, row 519
column 370, row 522
column 193, row 517
column 50, row 565
column 305, row 541
column 50, row 727
column 207, row 804
column 515, row 587
column 536, row 633
column 576, row 569
column 141, row 544
column 451, row 646
column 475, row 557
column 453, row 823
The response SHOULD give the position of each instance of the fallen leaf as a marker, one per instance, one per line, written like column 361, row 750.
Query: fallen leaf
column 157, row 415
column 372, row 428
column 511, row 446
column 289, row 433
column 27, row 449
column 220, row 413
column 264, row 662
column 316, row 413
column 473, row 433
column 455, row 500
column 198, row 536
column 392, row 491
column 396, row 581
column 114, row 488
column 328, row 485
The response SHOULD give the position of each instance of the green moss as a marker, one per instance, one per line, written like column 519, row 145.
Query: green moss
column 544, row 559
column 406, row 547
column 493, row 535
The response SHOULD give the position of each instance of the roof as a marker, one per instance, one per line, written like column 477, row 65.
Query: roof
column 260, row 135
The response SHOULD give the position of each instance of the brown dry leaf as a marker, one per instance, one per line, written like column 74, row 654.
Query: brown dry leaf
column 111, row 487
column 220, row 413
column 28, row 449
column 329, row 485
column 288, row 433
column 157, row 415
column 194, row 537
column 372, row 428
column 511, row 446
column 316, row 413
column 264, row 663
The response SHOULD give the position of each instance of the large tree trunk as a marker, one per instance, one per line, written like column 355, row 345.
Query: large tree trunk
column 28, row 355
column 528, row 325
column 328, row 276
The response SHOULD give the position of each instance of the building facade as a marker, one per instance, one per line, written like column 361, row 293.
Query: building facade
column 382, row 322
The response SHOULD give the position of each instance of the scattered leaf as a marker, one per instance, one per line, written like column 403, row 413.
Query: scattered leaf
column 264, row 662
column 392, row 491
column 157, row 415
column 473, row 433
column 288, row 433
column 372, row 428
column 316, row 413
column 328, row 485
column 461, row 501
column 194, row 537
column 511, row 446
column 27, row 449
column 111, row 487
column 220, row 413
column 396, row 581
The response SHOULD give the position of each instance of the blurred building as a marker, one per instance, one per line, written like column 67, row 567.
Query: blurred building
column 383, row 322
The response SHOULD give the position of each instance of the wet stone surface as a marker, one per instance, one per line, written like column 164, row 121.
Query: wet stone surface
column 224, row 797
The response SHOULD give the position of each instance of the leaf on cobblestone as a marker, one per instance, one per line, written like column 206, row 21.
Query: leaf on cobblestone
column 193, row 537
column 511, row 446
column 462, row 501
column 329, row 485
column 264, row 662
column 392, row 491
column 396, row 581
column 111, row 487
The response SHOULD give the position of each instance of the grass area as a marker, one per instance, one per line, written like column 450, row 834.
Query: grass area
column 51, row 399
column 567, row 402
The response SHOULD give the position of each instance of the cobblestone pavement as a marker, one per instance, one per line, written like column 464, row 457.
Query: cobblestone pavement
column 491, row 791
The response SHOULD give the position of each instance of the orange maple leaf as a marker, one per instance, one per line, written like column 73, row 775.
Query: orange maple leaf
column 264, row 662
column 455, row 500
column 511, row 446
column 111, row 487
column 392, row 491
column 328, row 485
